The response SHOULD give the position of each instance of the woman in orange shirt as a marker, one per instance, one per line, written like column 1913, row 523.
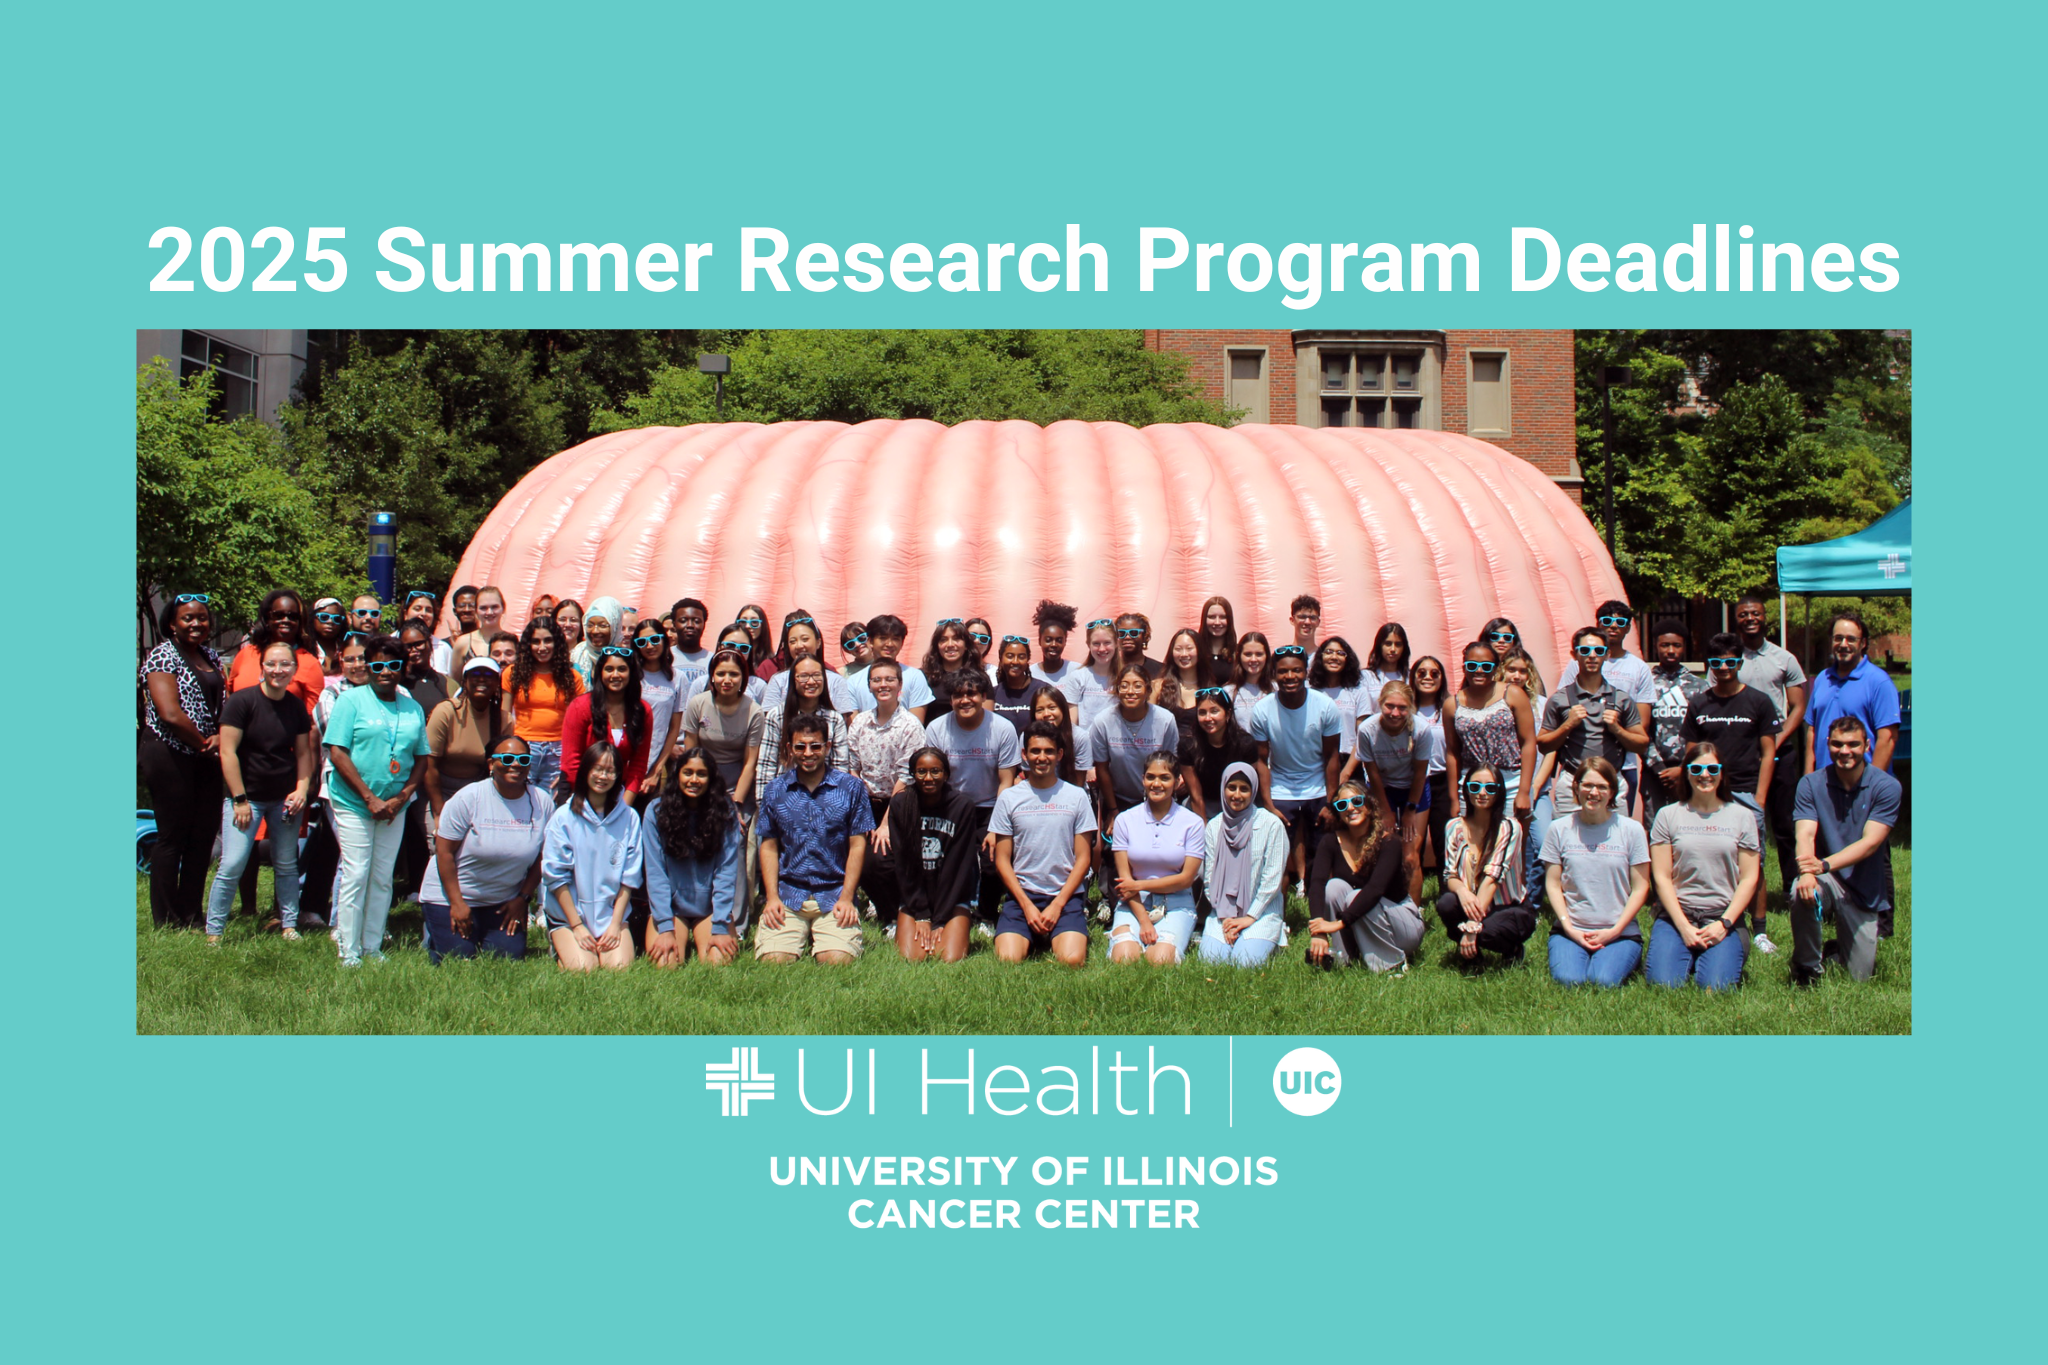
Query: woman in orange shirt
column 542, row 685
column 282, row 617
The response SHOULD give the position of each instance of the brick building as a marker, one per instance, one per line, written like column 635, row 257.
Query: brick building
column 1513, row 389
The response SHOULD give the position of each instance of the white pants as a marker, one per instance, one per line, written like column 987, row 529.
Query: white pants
column 362, row 885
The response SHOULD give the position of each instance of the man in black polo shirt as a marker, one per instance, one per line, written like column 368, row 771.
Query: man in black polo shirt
column 1842, row 818
column 1741, row 723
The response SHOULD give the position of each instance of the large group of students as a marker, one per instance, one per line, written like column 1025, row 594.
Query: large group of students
column 666, row 791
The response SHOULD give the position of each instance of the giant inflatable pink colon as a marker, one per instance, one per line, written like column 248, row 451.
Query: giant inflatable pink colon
column 1438, row 531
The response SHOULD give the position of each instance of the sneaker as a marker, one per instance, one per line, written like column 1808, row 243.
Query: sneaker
column 536, row 920
column 983, row 929
column 375, row 956
column 1764, row 944
column 351, row 962
column 290, row 936
column 890, row 933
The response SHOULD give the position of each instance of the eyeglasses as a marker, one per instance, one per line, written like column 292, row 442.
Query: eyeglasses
column 1506, row 637
column 1345, row 803
column 1096, row 624
column 1471, row 665
column 1616, row 620
column 185, row 598
column 1483, row 788
column 1589, row 651
column 387, row 665
column 513, row 760
column 1704, row 769
column 419, row 592
column 1724, row 663
column 331, row 617
column 354, row 635
column 1296, row 651
column 854, row 641
column 616, row 651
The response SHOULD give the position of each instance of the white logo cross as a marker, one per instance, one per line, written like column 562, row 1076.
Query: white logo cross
column 739, row 1082
column 1892, row 565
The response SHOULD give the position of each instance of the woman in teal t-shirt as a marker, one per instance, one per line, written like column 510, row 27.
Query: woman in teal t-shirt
column 375, row 735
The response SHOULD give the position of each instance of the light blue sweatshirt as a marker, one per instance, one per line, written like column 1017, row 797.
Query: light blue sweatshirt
column 593, row 858
column 689, row 887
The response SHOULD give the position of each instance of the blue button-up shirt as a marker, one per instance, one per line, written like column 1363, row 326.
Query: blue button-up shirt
column 811, row 829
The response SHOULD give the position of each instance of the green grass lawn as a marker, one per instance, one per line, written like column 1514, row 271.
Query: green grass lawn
column 258, row 983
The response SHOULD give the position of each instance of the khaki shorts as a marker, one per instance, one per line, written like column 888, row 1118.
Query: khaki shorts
column 809, row 924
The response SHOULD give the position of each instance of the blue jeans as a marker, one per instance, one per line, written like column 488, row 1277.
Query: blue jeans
column 1571, row 965
column 547, row 765
column 1669, row 961
column 1542, row 815
column 486, row 932
column 235, row 847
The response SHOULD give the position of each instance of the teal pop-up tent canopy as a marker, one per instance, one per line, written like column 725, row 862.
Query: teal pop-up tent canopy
column 1877, row 561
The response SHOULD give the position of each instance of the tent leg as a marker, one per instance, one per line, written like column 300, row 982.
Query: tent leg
column 1781, row 618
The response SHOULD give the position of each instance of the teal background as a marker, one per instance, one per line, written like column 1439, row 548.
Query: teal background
column 320, row 1199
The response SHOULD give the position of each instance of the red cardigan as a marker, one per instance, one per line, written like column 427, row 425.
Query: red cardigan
column 576, row 737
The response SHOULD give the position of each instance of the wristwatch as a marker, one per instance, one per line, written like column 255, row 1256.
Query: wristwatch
column 241, row 800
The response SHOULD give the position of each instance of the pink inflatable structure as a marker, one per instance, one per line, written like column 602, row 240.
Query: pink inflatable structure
column 1438, row 531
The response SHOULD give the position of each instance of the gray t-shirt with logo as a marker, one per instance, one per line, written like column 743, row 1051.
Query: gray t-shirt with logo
column 1042, row 825
column 1705, row 852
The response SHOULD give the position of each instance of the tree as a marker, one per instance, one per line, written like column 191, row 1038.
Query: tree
column 217, row 510
column 946, row 376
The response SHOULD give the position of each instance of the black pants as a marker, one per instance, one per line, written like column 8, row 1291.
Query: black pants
column 1504, row 930
column 414, row 851
column 318, row 864
column 1778, row 808
column 878, row 871
column 1439, row 816
column 185, row 794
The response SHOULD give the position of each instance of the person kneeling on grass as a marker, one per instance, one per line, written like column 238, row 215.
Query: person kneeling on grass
column 932, row 826
column 1352, row 884
column 1247, row 862
column 1598, row 878
column 1159, row 850
column 1043, row 828
column 590, row 864
column 1705, row 859
column 1483, row 905
column 690, row 843
column 814, row 827
column 1842, row 821
column 486, row 861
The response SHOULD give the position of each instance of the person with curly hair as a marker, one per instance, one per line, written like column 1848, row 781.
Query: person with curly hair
column 1358, row 901
column 542, row 685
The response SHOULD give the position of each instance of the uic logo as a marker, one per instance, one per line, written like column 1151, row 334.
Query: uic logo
column 1307, row 1081
column 739, row 1082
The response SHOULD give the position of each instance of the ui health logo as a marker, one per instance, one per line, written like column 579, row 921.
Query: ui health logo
column 739, row 1082
column 1307, row 1081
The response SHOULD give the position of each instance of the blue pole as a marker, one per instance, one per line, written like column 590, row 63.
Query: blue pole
column 384, row 555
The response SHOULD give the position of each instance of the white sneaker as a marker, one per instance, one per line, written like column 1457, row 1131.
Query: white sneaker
column 983, row 929
column 1764, row 944
column 890, row 933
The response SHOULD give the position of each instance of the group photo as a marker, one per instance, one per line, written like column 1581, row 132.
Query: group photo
column 1005, row 682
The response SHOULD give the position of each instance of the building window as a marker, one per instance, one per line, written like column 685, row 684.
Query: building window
column 1489, row 395
column 1371, row 388
column 1247, row 386
column 234, row 372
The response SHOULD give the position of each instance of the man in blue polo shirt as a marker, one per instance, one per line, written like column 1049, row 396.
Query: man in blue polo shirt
column 1842, row 821
column 1853, row 686
column 814, row 822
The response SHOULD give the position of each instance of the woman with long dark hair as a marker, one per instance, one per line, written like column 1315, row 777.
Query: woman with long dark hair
column 1219, row 744
column 1159, row 847
column 950, row 652
column 542, row 687
column 611, row 711
column 804, row 694
column 178, row 754
column 661, row 687
column 1486, row 721
column 690, row 846
column 1076, row 759
column 1485, row 902
column 932, row 827
column 280, row 619
column 1254, row 677
column 1506, row 639
column 1218, row 637
column 1334, row 671
column 753, row 618
column 590, row 866
column 1357, row 894
column 737, row 639
column 1184, row 676
column 1387, row 662
column 1429, row 682
column 726, row 723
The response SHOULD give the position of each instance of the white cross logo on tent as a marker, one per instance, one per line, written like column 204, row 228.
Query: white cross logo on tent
column 1892, row 565
column 739, row 1082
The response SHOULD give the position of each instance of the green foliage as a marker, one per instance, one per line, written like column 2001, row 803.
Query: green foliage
column 946, row 376
column 217, row 510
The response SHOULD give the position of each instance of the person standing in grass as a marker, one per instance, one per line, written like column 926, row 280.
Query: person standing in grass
column 375, row 736
column 178, row 755
column 1742, row 725
column 1219, row 745
column 1843, row 818
column 814, row 826
column 880, row 742
column 1090, row 687
column 590, row 866
column 691, row 840
column 1334, row 671
column 487, row 849
column 1705, row 859
column 1589, row 716
column 661, row 686
column 1631, row 677
column 541, row 686
column 1427, row 683
column 1246, row 863
column 1485, row 905
column 1159, row 851
column 1664, row 780
column 266, row 764
column 1774, row 672
column 1296, row 731
column 1598, row 879
column 1043, row 829
column 932, row 828
column 1357, row 893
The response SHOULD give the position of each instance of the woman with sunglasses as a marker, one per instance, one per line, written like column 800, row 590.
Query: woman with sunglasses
column 490, row 616
column 422, row 606
column 280, row 620
column 1484, row 905
column 803, row 639
column 981, row 638
column 740, row 641
column 726, row 723
column 1587, row 717
column 542, row 687
column 1426, row 680
column 1506, row 640
column 1395, row 752
column 1706, row 859
column 321, row 858
column 376, row 736
column 1184, row 676
column 804, row 695
column 487, row 852
column 1015, row 691
column 1388, row 662
column 661, row 687
column 1244, row 871
column 1334, row 671
column 1597, row 879
column 1486, row 721
column 1357, row 892
column 1090, row 689
column 691, row 841
column 933, row 826
column 329, row 624
column 753, row 619
column 951, row 652
column 1133, row 635
column 1219, row 745
column 177, row 753
column 1218, row 637
column 1253, row 680
column 611, row 711
column 590, row 866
